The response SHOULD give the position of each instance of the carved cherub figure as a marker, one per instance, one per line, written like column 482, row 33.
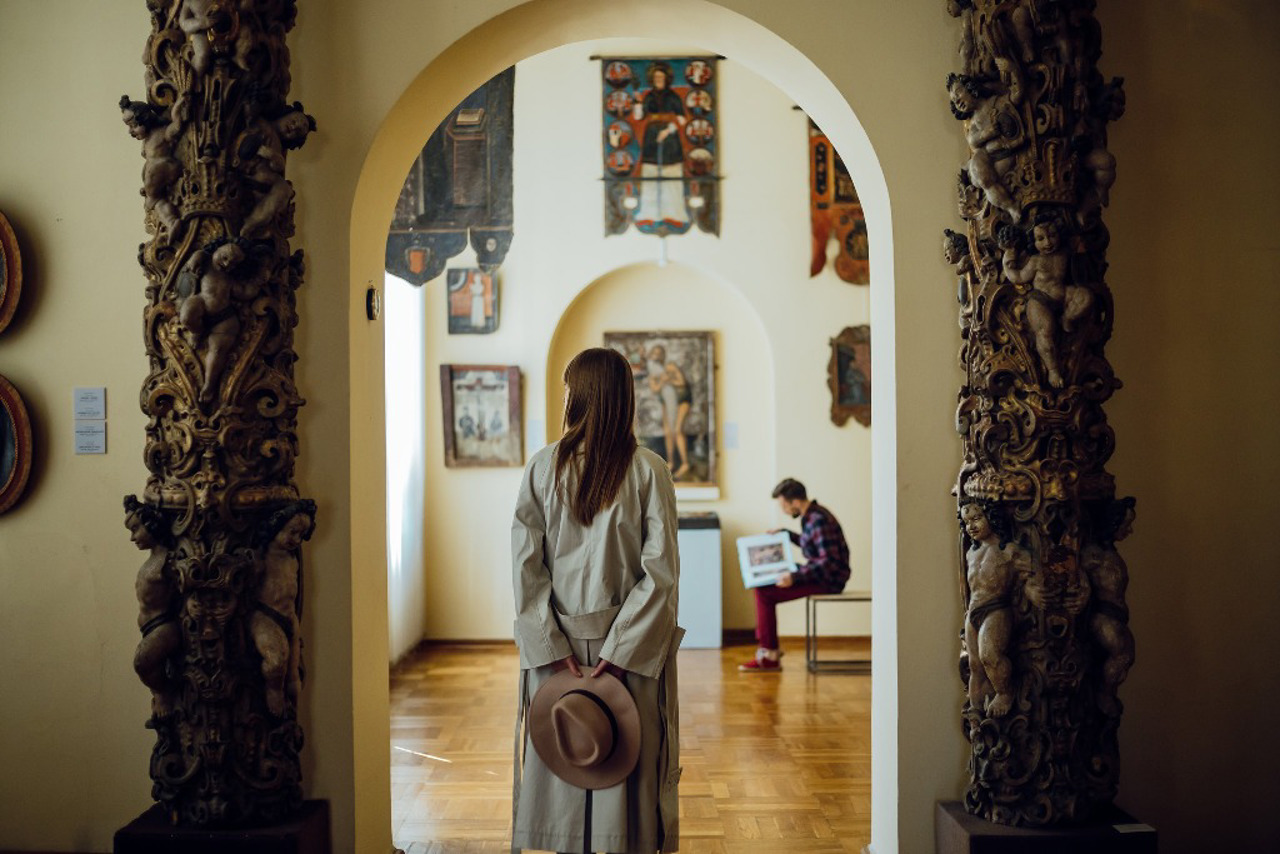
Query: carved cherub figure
column 955, row 251
column 993, row 567
column 221, row 275
column 993, row 128
column 274, row 624
column 260, row 154
column 1050, row 296
column 157, row 615
column 159, row 135
column 1109, row 576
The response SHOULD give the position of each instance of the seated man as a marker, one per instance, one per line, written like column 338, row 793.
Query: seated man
column 821, row 539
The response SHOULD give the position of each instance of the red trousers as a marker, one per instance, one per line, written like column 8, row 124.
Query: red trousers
column 767, row 599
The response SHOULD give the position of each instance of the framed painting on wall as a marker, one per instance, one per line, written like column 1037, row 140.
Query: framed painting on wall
column 481, row 415
column 675, row 399
column 473, row 302
column 10, row 273
column 849, row 376
column 15, row 445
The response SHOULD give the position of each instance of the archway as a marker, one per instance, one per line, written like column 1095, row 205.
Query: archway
column 527, row 30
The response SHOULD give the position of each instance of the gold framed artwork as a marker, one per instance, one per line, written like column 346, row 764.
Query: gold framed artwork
column 481, row 408
column 849, row 376
column 15, row 445
column 10, row 273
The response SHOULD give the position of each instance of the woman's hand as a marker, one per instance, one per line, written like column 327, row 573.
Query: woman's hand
column 570, row 662
column 786, row 579
column 608, row 667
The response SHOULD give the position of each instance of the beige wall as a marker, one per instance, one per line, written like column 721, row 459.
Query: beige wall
column 718, row 283
column 1195, row 263
column 1194, row 266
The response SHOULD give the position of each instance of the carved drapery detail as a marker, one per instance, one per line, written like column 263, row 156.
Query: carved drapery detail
column 220, row 516
column 1045, row 640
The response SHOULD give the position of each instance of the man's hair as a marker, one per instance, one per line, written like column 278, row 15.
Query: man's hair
column 790, row 489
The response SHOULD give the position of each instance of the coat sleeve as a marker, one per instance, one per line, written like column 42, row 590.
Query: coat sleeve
column 640, row 637
column 537, row 633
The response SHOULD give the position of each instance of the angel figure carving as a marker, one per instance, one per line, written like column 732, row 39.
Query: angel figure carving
column 274, row 623
column 992, row 570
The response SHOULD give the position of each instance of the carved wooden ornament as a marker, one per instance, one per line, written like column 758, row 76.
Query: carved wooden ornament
column 1045, row 641
column 220, row 594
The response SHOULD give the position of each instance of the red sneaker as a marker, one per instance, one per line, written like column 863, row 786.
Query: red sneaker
column 760, row 665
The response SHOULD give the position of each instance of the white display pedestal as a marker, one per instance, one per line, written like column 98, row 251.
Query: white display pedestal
column 700, row 601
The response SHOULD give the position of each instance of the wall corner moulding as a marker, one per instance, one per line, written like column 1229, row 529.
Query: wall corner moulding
column 220, row 518
column 1046, row 641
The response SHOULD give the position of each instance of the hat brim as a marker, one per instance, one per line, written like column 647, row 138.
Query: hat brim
column 610, row 690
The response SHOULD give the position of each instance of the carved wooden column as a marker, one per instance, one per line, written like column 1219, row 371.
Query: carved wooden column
column 1045, row 641
column 220, row 593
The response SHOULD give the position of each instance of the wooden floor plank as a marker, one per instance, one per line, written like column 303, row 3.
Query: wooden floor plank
column 774, row 763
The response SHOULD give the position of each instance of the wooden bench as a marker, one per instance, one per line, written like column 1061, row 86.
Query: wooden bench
column 811, row 660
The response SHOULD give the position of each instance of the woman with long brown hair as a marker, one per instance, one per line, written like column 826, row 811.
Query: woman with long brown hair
column 595, row 576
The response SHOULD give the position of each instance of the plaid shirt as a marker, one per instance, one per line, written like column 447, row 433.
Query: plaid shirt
column 822, row 541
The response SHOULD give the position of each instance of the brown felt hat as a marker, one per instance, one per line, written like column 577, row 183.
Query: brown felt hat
column 586, row 729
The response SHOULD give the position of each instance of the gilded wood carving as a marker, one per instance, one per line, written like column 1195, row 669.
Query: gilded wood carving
column 220, row 517
column 1045, row 642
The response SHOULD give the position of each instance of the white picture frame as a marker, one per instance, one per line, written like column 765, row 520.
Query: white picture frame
column 764, row 557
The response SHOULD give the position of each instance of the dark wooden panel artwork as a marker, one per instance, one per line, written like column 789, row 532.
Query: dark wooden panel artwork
column 459, row 189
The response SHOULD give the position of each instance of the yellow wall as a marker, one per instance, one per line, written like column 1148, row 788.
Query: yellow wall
column 1194, row 266
column 1195, row 262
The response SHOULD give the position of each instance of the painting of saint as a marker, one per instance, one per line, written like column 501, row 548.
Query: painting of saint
column 473, row 302
column 675, row 399
column 657, row 114
column 481, row 415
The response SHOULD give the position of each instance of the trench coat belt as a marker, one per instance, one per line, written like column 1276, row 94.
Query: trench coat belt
column 593, row 626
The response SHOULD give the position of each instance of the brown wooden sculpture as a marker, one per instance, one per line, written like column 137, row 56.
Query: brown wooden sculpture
column 1045, row 640
column 220, row 594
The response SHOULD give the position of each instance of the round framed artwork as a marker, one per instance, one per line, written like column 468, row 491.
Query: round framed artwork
column 15, row 445
column 10, row 273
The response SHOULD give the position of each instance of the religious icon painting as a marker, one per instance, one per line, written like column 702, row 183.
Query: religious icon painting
column 481, row 408
column 458, row 190
column 661, row 149
column 473, row 302
column 849, row 376
column 674, row 376
column 834, row 211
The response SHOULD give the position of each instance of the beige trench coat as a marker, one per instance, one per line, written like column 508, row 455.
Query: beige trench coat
column 604, row 591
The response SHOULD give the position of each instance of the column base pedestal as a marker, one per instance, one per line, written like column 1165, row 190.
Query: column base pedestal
column 151, row 833
column 1116, row 832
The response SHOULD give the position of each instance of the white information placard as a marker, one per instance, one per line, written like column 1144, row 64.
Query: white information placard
column 89, row 402
column 91, row 436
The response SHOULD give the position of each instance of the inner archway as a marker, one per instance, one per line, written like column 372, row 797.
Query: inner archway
column 525, row 31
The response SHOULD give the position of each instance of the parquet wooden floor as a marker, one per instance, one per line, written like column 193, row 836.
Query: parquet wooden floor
column 773, row 762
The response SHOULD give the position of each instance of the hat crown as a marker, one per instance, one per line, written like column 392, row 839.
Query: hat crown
column 585, row 731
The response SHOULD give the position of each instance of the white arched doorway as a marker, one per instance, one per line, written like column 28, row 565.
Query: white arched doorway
column 522, row 32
